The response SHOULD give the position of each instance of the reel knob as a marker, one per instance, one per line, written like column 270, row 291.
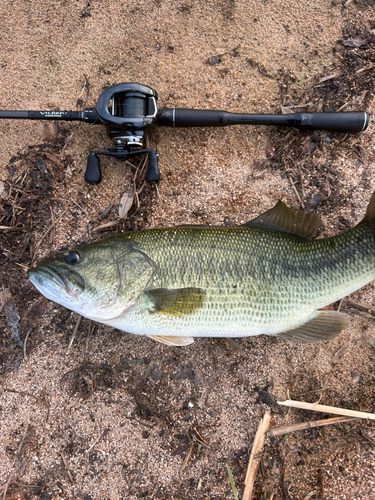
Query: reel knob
column 93, row 174
column 152, row 173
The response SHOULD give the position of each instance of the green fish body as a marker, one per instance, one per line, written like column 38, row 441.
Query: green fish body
column 265, row 277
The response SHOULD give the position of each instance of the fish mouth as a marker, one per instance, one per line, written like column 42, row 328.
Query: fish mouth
column 62, row 279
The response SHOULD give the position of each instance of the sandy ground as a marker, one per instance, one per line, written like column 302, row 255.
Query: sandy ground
column 111, row 417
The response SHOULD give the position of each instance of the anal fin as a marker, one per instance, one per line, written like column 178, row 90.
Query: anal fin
column 324, row 326
column 171, row 340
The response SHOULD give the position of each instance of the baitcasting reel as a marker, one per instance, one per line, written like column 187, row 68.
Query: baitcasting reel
column 129, row 109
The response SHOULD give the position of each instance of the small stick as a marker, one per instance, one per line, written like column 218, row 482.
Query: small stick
column 78, row 205
column 17, row 460
column 53, row 159
column 139, row 191
column 24, row 344
column 310, row 392
column 286, row 429
column 295, row 191
column 360, row 307
column 46, row 233
column 340, row 352
column 254, row 460
column 74, row 332
column 7, row 485
column 96, row 441
column 329, row 77
column 327, row 409
column 364, row 434
column 66, row 468
column 91, row 329
column 25, row 245
column 106, row 225
column 52, row 232
column 186, row 459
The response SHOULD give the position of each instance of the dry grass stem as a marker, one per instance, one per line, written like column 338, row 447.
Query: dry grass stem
column 17, row 461
column 329, row 77
column 91, row 329
column 360, row 307
column 367, row 437
column 186, row 459
column 254, row 455
column 53, row 159
column 70, row 476
column 25, row 343
column 327, row 409
column 74, row 332
column 46, row 232
column 105, row 226
column 52, row 232
column 340, row 352
column 286, row 429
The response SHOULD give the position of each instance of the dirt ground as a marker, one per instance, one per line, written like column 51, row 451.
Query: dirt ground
column 116, row 416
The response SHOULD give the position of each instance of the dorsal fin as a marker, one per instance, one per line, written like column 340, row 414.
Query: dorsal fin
column 285, row 219
column 369, row 218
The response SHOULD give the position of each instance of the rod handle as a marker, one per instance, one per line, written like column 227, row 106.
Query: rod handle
column 350, row 121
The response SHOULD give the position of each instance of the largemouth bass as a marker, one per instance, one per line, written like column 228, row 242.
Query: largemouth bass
column 268, row 276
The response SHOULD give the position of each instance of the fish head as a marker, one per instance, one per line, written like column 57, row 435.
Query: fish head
column 99, row 281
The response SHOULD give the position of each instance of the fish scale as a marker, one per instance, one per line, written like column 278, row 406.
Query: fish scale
column 203, row 281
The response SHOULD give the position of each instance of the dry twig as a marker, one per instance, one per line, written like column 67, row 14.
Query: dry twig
column 17, row 461
column 70, row 476
column 340, row 352
column 254, row 456
column 74, row 332
column 46, row 232
column 186, row 459
column 360, row 307
column 106, row 225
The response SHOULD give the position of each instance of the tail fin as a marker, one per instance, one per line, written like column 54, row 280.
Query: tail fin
column 369, row 218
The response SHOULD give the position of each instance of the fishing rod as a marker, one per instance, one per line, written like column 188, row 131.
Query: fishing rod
column 130, row 109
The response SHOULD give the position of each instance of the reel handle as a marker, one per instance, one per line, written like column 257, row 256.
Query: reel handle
column 93, row 174
column 152, row 173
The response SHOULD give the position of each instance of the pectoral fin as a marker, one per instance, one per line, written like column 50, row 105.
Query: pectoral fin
column 324, row 326
column 178, row 302
column 172, row 341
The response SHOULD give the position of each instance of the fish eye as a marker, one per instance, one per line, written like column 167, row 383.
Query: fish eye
column 72, row 258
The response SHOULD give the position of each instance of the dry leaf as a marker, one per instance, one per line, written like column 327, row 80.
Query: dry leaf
column 125, row 204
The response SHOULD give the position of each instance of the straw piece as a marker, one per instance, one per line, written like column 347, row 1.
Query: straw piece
column 254, row 455
column 327, row 409
column 286, row 429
